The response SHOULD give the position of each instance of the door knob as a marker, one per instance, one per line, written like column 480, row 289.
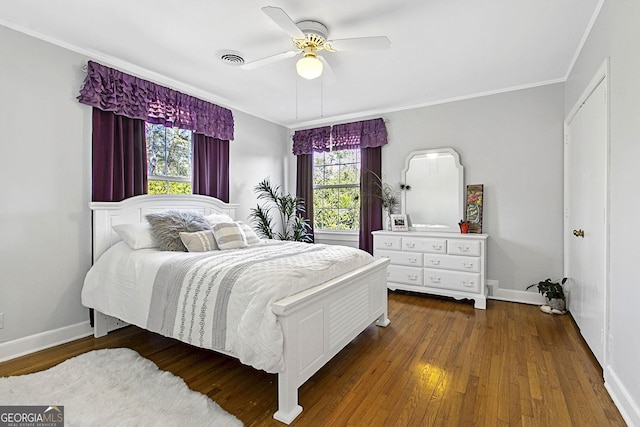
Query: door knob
column 578, row 233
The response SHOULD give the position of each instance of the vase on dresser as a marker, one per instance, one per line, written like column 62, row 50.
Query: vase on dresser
column 386, row 220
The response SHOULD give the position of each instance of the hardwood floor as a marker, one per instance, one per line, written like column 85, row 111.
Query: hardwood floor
column 439, row 363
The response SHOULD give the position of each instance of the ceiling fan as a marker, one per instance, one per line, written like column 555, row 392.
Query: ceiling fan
column 309, row 37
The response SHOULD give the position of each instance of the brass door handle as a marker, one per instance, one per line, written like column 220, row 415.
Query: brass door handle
column 578, row 233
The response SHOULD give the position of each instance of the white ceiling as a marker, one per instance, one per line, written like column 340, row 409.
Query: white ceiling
column 440, row 49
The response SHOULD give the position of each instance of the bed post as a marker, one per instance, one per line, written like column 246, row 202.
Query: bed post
column 100, row 324
column 288, row 408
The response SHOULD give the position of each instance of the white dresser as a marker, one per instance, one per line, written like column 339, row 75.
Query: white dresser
column 448, row 264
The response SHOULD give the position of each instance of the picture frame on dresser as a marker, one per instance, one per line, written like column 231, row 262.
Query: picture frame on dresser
column 399, row 222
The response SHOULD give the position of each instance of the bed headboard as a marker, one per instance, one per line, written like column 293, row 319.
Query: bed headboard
column 134, row 210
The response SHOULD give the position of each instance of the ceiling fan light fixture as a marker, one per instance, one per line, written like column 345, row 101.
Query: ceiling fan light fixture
column 309, row 67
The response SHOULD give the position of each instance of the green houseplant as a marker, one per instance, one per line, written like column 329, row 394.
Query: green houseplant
column 293, row 226
column 553, row 291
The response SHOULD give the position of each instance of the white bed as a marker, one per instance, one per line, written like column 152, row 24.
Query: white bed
column 316, row 323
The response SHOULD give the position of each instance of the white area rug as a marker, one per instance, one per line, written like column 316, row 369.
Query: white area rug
column 115, row 387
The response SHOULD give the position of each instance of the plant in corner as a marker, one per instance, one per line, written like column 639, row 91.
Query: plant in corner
column 293, row 225
column 554, row 293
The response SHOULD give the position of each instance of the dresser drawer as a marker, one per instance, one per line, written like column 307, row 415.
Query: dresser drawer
column 464, row 247
column 459, row 281
column 420, row 244
column 452, row 262
column 387, row 242
column 410, row 259
column 406, row 275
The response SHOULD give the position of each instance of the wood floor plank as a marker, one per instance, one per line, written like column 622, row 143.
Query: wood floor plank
column 440, row 362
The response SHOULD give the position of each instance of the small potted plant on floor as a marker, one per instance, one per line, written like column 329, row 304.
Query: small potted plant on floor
column 554, row 293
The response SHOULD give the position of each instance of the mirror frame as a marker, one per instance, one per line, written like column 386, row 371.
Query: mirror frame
column 461, row 197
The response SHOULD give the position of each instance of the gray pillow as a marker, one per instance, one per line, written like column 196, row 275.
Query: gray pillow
column 250, row 236
column 166, row 227
column 229, row 236
column 200, row 241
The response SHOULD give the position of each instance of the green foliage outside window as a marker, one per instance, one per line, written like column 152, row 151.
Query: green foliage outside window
column 169, row 187
column 168, row 160
column 336, row 190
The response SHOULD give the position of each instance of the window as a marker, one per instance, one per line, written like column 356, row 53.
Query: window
column 336, row 190
column 168, row 160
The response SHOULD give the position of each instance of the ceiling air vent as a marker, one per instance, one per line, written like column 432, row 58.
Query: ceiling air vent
column 231, row 58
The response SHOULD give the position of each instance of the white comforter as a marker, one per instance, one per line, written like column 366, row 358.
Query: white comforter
column 219, row 300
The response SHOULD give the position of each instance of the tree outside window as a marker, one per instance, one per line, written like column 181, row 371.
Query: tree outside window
column 336, row 190
column 168, row 159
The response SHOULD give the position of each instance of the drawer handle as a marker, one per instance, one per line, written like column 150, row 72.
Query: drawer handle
column 437, row 247
column 413, row 260
column 410, row 245
column 435, row 262
column 435, row 279
column 468, row 283
column 388, row 244
column 464, row 248
column 412, row 277
column 467, row 264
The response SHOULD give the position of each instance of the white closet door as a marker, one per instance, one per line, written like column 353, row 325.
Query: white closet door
column 586, row 218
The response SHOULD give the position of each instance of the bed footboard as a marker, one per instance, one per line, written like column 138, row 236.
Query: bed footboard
column 320, row 322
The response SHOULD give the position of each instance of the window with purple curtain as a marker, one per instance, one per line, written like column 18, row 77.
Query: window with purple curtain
column 119, row 157
column 118, row 171
column 368, row 136
column 210, row 167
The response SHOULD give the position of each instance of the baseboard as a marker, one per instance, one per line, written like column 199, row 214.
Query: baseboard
column 32, row 343
column 524, row 297
column 512, row 295
column 621, row 397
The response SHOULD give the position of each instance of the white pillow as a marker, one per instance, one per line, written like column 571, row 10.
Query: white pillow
column 215, row 218
column 229, row 235
column 136, row 236
column 200, row 241
column 250, row 236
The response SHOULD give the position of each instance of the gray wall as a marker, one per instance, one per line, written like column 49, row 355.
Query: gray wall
column 513, row 144
column 45, row 249
column 615, row 35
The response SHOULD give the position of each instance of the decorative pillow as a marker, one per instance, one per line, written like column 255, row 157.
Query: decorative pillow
column 215, row 218
column 250, row 236
column 229, row 235
column 136, row 236
column 200, row 241
column 167, row 225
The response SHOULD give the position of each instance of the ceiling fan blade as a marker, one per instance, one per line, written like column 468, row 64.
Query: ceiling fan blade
column 283, row 20
column 269, row 60
column 327, row 72
column 360, row 43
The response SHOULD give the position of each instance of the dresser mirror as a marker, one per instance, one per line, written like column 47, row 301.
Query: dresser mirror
column 434, row 200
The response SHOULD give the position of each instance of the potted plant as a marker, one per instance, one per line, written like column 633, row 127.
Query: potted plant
column 388, row 197
column 293, row 225
column 554, row 293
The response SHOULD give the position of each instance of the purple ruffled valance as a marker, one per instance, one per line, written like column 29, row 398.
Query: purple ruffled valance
column 346, row 136
column 112, row 90
column 309, row 140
